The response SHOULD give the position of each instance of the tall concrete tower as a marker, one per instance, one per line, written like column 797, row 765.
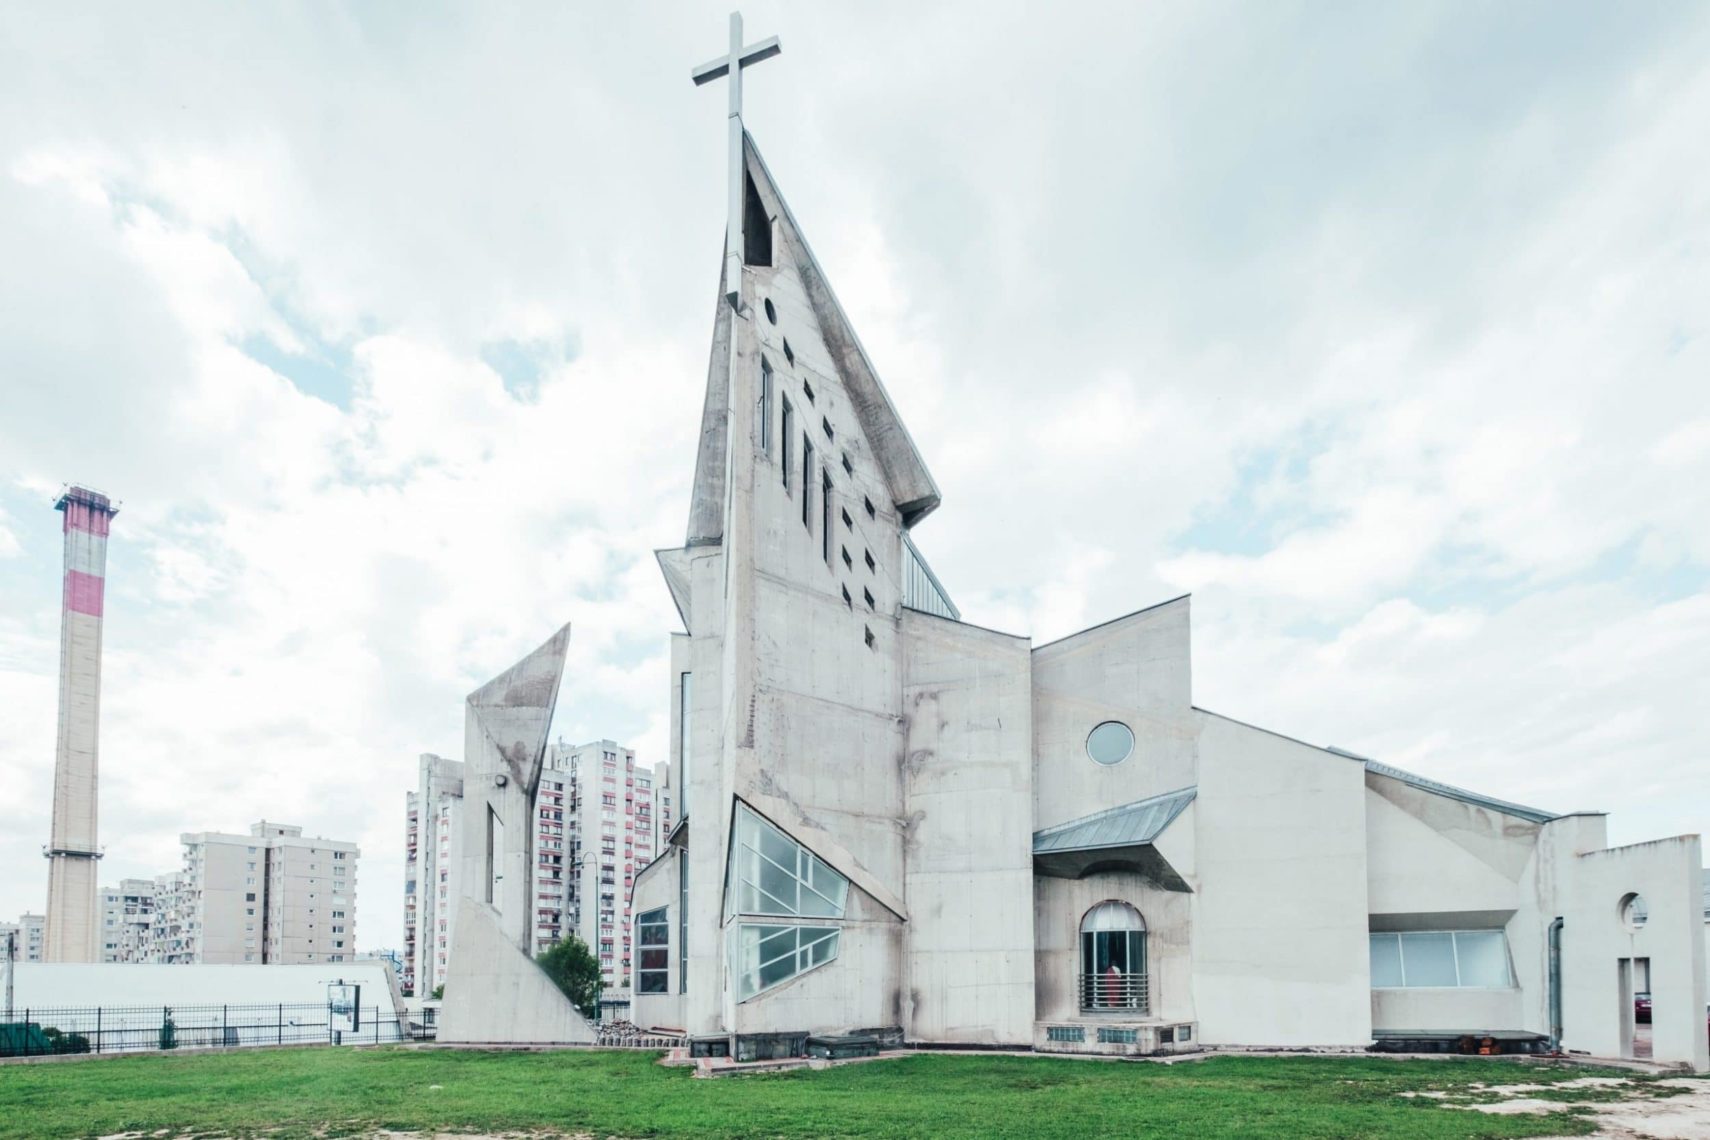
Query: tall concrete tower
column 73, row 919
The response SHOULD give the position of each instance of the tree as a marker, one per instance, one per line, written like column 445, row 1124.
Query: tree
column 574, row 969
column 438, row 992
column 168, row 1032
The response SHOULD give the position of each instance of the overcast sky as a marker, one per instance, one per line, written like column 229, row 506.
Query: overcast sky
column 1382, row 329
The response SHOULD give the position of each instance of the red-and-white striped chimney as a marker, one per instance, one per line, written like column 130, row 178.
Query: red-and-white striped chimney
column 73, row 916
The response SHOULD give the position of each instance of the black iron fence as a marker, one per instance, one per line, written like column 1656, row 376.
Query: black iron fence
column 132, row 1029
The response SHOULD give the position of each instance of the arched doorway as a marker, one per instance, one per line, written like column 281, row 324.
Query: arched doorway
column 1113, row 959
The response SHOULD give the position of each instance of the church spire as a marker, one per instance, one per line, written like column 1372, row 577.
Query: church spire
column 731, row 65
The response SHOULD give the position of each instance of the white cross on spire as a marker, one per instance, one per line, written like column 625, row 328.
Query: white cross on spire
column 732, row 65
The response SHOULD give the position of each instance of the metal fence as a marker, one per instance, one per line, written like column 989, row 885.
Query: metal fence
column 1116, row 991
column 133, row 1029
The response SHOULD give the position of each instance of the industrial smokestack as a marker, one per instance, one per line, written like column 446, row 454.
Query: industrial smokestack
column 73, row 926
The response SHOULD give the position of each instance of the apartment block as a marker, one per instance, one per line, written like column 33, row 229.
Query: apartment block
column 600, row 818
column 616, row 816
column 31, row 930
column 127, row 921
column 433, row 828
column 272, row 896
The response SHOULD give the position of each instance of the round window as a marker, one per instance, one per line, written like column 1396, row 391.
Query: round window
column 771, row 313
column 1111, row 742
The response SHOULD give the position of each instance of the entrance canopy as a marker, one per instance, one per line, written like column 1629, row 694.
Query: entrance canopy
column 1117, row 839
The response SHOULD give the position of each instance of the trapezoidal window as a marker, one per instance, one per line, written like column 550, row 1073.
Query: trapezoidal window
column 767, row 956
column 756, row 227
column 773, row 874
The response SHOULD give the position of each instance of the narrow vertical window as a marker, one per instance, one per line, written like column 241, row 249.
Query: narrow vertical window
column 495, row 854
column 807, row 482
column 683, row 922
column 685, row 698
column 653, row 951
column 763, row 411
column 786, row 430
column 825, row 516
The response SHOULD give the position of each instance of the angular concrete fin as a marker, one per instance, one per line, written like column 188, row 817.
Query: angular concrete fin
column 674, row 564
column 706, row 503
column 911, row 486
column 497, row 995
column 515, row 708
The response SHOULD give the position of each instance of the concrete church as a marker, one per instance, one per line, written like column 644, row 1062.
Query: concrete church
column 897, row 824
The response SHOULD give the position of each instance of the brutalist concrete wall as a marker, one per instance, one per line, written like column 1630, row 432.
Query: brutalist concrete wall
column 1437, row 863
column 1603, row 939
column 657, row 886
column 1135, row 670
column 968, row 948
column 494, row 992
column 1059, row 905
column 1281, row 952
column 812, row 678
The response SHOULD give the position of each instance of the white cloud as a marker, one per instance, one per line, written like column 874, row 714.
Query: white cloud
column 1405, row 384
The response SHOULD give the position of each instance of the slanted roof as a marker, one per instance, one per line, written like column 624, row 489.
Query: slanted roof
column 1535, row 815
column 1127, row 826
column 910, row 484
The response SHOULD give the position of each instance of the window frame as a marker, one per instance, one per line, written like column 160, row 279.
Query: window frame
column 1455, row 935
column 653, row 934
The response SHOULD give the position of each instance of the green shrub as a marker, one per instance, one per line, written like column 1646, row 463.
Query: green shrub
column 574, row 969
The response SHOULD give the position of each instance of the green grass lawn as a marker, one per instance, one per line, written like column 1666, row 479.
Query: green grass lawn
column 342, row 1092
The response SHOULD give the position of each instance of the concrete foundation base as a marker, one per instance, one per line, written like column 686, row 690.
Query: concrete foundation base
column 1116, row 1038
column 496, row 995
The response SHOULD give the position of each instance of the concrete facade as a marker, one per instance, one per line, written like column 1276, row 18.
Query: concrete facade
column 494, row 992
column 895, row 820
column 73, row 919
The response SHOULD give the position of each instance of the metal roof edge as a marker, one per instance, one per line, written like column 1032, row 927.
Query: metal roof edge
column 1437, row 787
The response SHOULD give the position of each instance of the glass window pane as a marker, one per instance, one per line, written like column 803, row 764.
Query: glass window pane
column 1483, row 956
column 775, row 846
column 771, row 973
column 780, row 885
column 1386, row 961
column 815, row 905
column 823, row 951
column 776, row 875
column 655, row 981
column 1428, row 959
column 654, row 959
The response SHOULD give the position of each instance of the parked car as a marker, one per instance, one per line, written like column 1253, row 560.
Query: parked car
column 1642, row 1007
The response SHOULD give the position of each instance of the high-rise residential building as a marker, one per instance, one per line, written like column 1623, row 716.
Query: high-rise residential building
column 127, row 921
column 168, row 939
column 615, row 817
column 600, row 819
column 30, row 930
column 432, row 846
column 272, row 896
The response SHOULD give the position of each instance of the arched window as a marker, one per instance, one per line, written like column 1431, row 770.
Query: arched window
column 1113, row 959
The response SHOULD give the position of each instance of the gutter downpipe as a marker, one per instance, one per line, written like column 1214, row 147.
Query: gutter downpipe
column 1556, row 986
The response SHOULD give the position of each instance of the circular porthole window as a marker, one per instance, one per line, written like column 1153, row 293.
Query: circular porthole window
column 1111, row 742
column 771, row 313
column 1634, row 912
